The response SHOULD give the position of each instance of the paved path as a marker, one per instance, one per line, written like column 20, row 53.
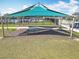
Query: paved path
column 67, row 28
column 1, row 37
column 16, row 33
column 77, row 39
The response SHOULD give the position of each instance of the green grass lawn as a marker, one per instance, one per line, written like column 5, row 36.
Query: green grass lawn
column 0, row 33
column 76, row 34
column 36, row 47
column 43, row 23
column 10, row 29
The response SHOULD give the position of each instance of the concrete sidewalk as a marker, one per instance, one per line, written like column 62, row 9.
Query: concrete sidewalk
column 68, row 28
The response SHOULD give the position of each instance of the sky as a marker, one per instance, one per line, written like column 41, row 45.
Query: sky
column 64, row 6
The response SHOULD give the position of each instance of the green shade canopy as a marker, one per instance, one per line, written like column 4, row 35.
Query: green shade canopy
column 37, row 10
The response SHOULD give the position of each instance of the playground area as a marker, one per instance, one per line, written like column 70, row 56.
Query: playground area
column 36, row 33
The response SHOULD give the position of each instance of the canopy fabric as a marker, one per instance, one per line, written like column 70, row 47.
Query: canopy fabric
column 37, row 10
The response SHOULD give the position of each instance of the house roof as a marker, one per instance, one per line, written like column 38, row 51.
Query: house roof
column 37, row 10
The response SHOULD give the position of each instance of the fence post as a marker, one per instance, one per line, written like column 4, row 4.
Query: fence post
column 71, row 33
column 2, row 23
